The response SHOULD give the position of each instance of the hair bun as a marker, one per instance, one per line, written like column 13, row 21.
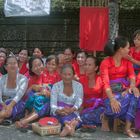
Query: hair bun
column 109, row 48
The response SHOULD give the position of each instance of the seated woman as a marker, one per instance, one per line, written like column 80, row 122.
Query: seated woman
column 79, row 66
column 51, row 75
column 3, row 55
column 92, row 108
column 12, row 88
column 23, row 62
column 121, row 94
column 38, row 97
column 66, row 99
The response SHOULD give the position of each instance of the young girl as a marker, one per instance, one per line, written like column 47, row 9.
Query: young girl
column 134, row 55
column 51, row 75
column 79, row 66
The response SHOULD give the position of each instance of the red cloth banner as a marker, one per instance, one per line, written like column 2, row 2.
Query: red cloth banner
column 94, row 28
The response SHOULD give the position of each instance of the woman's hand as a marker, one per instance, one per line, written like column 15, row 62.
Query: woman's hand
column 115, row 105
column 44, row 92
column 8, row 110
column 135, row 91
column 61, row 112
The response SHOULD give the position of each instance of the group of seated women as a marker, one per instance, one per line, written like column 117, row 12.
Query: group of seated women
column 78, row 92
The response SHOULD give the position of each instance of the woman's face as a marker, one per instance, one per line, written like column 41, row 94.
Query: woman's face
column 81, row 58
column 61, row 59
column 23, row 56
column 11, row 65
column 67, row 75
column 51, row 65
column 137, row 41
column 37, row 52
column 124, row 51
column 2, row 58
column 37, row 67
column 68, row 55
column 90, row 66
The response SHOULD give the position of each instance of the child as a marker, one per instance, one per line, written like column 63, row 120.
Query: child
column 134, row 55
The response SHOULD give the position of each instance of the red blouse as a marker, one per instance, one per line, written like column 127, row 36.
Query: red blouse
column 91, row 92
column 77, row 70
column 109, row 71
column 51, row 78
column 36, row 80
column 24, row 70
column 134, row 53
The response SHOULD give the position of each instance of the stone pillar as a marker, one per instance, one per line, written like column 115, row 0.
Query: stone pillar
column 113, row 17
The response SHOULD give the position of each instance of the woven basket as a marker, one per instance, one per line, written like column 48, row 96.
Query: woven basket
column 46, row 130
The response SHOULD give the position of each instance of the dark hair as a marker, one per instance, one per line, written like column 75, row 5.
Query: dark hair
column 137, row 32
column 80, row 51
column 39, row 49
column 31, row 64
column 51, row 57
column 72, row 51
column 9, row 57
column 94, row 58
column 67, row 66
column 24, row 48
column 113, row 46
column 3, row 50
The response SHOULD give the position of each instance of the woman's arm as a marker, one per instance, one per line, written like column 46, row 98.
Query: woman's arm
column 22, row 84
column 54, row 96
column 78, row 88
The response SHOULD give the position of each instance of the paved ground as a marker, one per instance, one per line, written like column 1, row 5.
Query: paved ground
column 10, row 133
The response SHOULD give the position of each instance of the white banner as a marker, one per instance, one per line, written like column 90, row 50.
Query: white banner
column 26, row 8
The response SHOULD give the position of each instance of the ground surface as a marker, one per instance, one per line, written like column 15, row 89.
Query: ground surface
column 10, row 133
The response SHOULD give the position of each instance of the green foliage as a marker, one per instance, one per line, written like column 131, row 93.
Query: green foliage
column 130, row 4
column 62, row 5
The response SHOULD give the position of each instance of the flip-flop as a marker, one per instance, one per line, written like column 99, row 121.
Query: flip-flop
column 6, row 122
column 90, row 130
column 23, row 130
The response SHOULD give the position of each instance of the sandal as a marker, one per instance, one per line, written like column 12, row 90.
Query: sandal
column 131, row 134
column 6, row 122
column 88, row 128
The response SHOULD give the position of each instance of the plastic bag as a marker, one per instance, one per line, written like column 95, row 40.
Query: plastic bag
column 26, row 8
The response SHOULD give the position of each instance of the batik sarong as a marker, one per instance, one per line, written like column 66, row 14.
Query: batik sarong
column 128, row 102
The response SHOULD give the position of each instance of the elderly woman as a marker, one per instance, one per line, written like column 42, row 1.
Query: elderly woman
column 66, row 99
column 121, row 94
column 12, row 88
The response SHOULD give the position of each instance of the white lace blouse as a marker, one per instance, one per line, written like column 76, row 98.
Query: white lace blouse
column 13, row 94
column 57, row 95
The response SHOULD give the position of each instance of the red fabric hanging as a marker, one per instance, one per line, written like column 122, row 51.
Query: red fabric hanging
column 94, row 28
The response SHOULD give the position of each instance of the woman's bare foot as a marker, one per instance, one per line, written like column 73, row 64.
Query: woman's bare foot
column 130, row 133
column 66, row 131
column 105, row 126
column 73, row 125
column 20, row 124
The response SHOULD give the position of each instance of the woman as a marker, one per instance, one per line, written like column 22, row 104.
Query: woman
column 12, row 88
column 23, row 62
column 69, row 56
column 66, row 99
column 93, row 92
column 38, row 97
column 79, row 66
column 121, row 94
column 3, row 56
